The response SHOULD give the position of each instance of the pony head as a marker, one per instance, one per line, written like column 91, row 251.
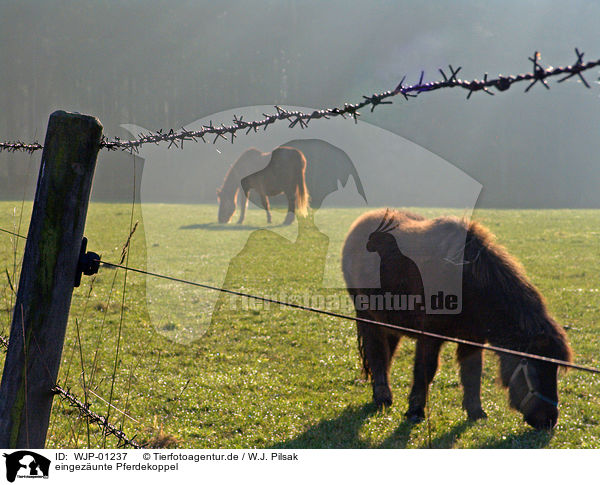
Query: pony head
column 226, row 207
column 532, row 384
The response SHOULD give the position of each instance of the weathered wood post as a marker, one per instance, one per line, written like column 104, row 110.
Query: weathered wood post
column 47, row 276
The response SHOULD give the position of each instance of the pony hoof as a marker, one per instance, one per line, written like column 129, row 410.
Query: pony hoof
column 383, row 403
column 415, row 416
column 476, row 415
column 382, row 397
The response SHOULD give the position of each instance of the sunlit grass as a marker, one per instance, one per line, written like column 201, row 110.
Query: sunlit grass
column 277, row 377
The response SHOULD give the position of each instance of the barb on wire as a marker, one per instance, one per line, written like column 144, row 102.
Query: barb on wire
column 538, row 71
column 294, row 118
column 576, row 69
column 92, row 417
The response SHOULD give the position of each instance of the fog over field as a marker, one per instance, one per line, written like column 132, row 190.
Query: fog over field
column 163, row 65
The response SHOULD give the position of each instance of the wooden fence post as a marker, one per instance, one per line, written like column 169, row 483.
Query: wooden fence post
column 47, row 276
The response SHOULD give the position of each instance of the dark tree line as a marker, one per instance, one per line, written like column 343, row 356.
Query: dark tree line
column 162, row 64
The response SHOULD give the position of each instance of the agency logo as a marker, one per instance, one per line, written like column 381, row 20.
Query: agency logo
column 197, row 227
column 26, row 464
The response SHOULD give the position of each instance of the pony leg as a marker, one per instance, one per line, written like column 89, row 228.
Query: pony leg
column 393, row 340
column 426, row 363
column 470, row 360
column 265, row 202
column 377, row 353
column 289, row 218
column 243, row 206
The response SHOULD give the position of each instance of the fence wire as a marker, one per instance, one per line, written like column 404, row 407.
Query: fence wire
column 19, row 146
column 94, row 418
column 83, row 408
column 391, row 326
column 85, row 411
column 448, row 79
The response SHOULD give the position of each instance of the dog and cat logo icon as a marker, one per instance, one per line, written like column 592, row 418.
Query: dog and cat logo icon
column 26, row 464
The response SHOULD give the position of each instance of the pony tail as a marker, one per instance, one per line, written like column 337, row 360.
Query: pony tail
column 366, row 370
column 302, row 197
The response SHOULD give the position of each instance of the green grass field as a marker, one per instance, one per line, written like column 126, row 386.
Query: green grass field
column 197, row 371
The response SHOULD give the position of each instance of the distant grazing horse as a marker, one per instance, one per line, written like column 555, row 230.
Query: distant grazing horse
column 281, row 171
column 499, row 306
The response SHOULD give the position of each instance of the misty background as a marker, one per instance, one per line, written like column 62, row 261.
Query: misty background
column 163, row 65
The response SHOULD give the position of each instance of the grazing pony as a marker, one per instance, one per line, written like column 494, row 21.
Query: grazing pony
column 280, row 171
column 499, row 306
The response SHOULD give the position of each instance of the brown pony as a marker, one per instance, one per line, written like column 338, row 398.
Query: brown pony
column 284, row 173
column 499, row 306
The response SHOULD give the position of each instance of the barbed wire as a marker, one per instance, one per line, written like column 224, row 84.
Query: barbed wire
column 449, row 79
column 74, row 401
column 94, row 418
column 85, row 411
column 19, row 146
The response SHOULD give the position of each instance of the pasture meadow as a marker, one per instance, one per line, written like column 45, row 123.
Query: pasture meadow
column 201, row 371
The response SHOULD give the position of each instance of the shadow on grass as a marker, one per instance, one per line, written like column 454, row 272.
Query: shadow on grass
column 343, row 432
column 526, row 439
column 448, row 439
column 340, row 432
column 399, row 438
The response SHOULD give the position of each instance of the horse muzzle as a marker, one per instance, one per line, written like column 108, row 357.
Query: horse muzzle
column 542, row 417
column 539, row 411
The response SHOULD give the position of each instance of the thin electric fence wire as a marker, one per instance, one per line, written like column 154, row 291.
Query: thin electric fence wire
column 13, row 233
column 110, row 429
column 397, row 328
